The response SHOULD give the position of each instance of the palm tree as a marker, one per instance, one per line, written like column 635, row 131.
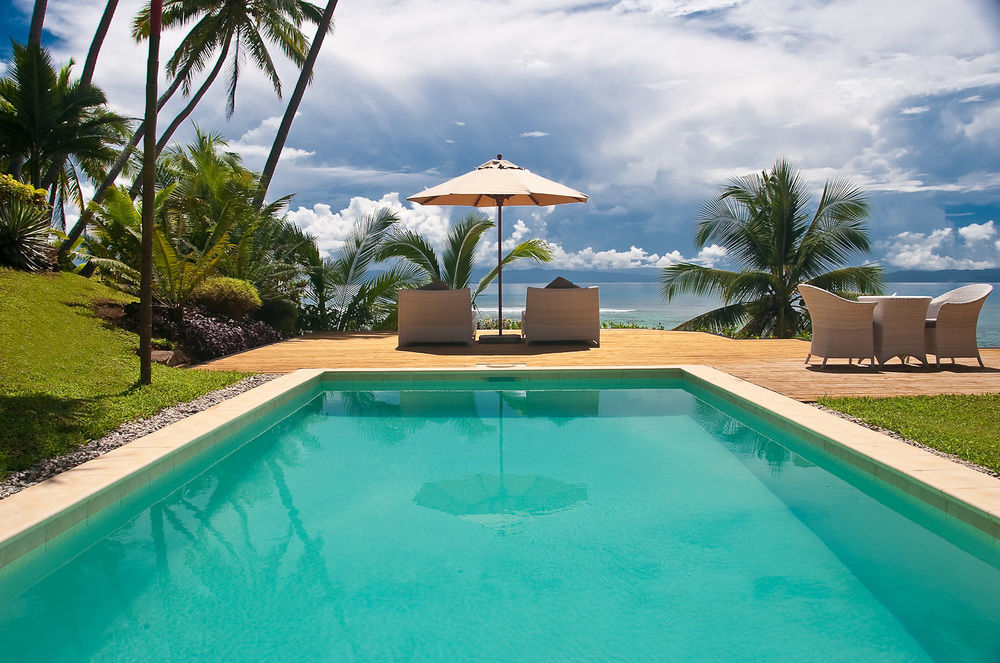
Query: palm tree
column 46, row 118
column 230, row 27
column 350, row 299
column 235, row 28
column 763, row 223
column 305, row 78
column 458, row 260
column 37, row 20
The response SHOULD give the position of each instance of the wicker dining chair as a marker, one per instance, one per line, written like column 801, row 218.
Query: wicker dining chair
column 841, row 329
column 950, row 330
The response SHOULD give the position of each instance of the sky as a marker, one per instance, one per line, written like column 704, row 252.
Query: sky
column 648, row 106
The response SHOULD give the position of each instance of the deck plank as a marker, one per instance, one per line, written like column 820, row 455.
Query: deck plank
column 774, row 364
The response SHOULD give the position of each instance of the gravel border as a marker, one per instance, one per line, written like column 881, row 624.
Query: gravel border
column 896, row 436
column 131, row 430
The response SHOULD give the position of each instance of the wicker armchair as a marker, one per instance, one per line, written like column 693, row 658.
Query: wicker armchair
column 950, row 329
column 841, row 329
column 562, row 314
column 436, row 316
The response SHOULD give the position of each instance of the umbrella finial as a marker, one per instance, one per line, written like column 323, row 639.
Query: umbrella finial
column 499, row 157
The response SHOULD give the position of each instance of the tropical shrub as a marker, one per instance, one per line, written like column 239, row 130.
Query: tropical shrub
column 341, row 294
column 51, row 124
column 205, row 337
column 456, row 264
column 24, row 235
column 226, row 296
column 280, row 314
column 763, row 223
column 12, row 189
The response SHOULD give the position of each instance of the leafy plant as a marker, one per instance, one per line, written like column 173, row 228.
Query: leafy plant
column 205, row 337
column 343, row 296
column 226, row 296
column 763, row 223
column 47, row 117
column 457, row 262
column 24, row 235
column 12, row 189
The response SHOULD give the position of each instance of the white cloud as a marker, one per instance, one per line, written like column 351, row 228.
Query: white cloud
column 914, row 110
column 656, row 118
column 331, row 229
column 978, row 232
column 939, row 249
column 710, row 255
column 533, row 134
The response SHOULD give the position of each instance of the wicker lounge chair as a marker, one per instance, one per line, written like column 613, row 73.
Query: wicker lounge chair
column 950, row 329
column 562, row 311
column 841, row 329
column 436, row 316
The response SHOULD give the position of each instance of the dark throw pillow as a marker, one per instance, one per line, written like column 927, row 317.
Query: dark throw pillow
column 435, row 285
column 560, row 282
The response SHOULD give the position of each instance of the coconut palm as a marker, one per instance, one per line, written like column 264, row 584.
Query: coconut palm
column 46, row 118
column 234, row 29
column 305, row 78
column 458, row 260
column 763, row 223
column 229, row 28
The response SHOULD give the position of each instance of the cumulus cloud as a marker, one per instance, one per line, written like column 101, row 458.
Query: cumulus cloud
column 978, row 232
column 332, row 228
column 894, row 102
column 255, row 144
column 941, row 248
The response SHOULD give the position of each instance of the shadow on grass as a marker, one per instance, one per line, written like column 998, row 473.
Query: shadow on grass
column 40, row 426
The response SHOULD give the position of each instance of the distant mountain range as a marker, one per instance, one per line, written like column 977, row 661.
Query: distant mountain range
column 652, row 274
column 945, row 276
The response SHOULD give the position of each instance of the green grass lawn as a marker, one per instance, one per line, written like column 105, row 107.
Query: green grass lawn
column 66, row 376
column 966, row 426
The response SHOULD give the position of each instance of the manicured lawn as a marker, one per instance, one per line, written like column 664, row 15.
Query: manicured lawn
column 66, row 376
column 967, row 426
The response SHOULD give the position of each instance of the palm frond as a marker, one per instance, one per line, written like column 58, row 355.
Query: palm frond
column 695, row 279
column 718, row 320
column 413, row 248
column 537, row 250
column 457, row 261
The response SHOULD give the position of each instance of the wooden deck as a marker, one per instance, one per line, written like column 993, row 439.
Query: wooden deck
column 774, row 364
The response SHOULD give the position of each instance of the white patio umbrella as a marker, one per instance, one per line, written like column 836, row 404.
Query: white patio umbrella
column 499, row 183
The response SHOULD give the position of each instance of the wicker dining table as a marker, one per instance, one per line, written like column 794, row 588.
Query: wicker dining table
column 899, row 327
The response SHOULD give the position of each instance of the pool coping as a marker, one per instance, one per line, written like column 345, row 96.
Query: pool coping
column 34, row 516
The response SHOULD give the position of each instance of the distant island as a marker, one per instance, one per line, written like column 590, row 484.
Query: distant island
column 652, row 274
column 945, row 276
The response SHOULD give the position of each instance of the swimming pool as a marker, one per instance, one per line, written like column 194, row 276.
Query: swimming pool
column 516, row 518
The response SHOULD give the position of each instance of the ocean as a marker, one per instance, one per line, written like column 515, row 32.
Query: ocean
column 641, row 303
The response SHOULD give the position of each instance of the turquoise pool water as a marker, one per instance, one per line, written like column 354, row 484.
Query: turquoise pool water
column 629, row 520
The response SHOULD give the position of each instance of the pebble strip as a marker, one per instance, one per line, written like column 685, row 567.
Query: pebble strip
column 17, row 481
column 896, row 436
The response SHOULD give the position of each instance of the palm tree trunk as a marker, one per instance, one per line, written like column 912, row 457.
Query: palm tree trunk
column 305, row 76
column 37, row 19
column 149, row 198
column 95, row 46
column 116, row 169
column 183, row 115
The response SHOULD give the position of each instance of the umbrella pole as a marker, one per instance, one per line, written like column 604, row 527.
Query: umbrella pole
column 500, row 266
